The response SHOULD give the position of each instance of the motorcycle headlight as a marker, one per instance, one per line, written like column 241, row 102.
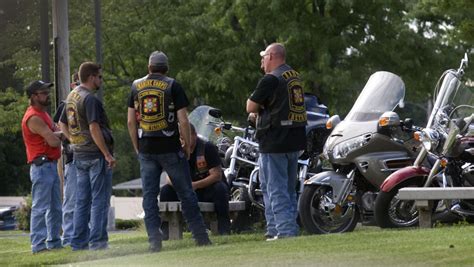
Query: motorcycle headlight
column 254, row 152
column 341, row 150
column 244, row 148
column 429, row 139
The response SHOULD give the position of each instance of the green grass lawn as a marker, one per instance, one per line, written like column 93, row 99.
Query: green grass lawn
column 367, row 246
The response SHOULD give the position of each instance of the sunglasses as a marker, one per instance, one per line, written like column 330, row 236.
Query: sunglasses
column 42, row 93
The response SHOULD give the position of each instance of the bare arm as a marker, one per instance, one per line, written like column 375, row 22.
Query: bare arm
column 132, row 128
column 185, row 131
column 252, row 107
column 65, row 129
column 38, row 126
column 215, row 175
column 100, row 142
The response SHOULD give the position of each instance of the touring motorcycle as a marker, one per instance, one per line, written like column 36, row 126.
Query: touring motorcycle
column 446, row 158
column 363, row 149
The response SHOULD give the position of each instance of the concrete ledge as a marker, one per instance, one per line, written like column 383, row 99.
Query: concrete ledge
column 435, row 193
column 174, row 206
column 171, row 212
column 425, row 197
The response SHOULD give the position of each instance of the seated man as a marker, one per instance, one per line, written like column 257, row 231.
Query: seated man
column 207, row 182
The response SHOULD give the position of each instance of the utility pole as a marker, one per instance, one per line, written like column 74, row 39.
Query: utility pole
column 44, row 30
column 98, row 40
column 61, row 48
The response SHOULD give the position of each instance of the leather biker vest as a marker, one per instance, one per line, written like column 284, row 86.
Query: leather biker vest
column 157, row 116
column 286, row 108
column 80, row 135
column 202, row 168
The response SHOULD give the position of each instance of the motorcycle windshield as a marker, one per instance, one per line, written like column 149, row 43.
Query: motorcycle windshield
column 204, row 123
column 382, row 92
column 458, row 101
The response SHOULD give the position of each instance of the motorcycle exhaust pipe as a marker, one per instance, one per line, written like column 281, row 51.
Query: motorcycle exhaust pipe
column 458, row 210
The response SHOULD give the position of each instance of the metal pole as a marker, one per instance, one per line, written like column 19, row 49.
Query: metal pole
column 61, row 37
column 98, row 40
column 44, row 21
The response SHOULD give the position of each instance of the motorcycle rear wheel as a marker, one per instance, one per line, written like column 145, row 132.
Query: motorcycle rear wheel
column 317, row 219
column 391, row 212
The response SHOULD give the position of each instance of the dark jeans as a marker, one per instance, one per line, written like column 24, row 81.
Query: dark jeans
column 94, row 187
column 176, row 166
column 218, row 193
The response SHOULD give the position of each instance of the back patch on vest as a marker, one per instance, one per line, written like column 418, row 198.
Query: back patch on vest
column 152, row 110
column 297, row 111
column 74, row 125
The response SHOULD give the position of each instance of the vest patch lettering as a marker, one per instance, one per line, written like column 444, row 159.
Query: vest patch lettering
column 155, row 84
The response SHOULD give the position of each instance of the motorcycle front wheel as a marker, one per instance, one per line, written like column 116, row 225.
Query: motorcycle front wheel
column 391, row 212
column 319, row 216
column 243, row 220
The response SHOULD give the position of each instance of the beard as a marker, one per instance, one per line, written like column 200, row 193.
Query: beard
column 46, row 102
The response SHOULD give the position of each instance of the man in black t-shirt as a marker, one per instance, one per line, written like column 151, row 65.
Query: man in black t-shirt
column 70, row 177
column 279, row 102
column 156, row 104
column 206, row 173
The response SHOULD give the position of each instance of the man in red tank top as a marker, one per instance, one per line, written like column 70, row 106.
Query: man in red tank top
column 42, row 143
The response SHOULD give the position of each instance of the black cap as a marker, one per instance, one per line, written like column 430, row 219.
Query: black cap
column 36, row 86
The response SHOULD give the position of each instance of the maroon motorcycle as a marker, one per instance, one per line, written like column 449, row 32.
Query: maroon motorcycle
column 445, row 159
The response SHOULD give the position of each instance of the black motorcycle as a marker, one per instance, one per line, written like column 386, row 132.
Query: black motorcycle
column 240, row 158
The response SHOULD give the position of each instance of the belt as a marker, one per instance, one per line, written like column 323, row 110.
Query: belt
column 39, row 160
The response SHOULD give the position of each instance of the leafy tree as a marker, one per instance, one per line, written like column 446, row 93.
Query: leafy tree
column 13, row 169
column 213, row 50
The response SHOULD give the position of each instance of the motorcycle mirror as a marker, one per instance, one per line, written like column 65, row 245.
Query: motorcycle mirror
column 463, row 65
column 389, row 119
column 401, row 104
column 227, row 126
column 216, row 113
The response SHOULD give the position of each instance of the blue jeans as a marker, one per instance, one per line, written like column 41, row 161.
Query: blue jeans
column 45, row 224
column 94, row 187
column 69, row 201
column 217, row 193
column 177, row 168
column 278, row 180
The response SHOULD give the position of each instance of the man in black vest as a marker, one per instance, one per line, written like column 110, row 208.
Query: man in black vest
column 156, row 104
column 206, row 173
column 86, row 125
column 278, row 101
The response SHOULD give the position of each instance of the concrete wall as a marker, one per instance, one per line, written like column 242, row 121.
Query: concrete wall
column 11, row 201
column 127, row 208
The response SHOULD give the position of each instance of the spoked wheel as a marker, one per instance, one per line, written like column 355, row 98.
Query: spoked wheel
column 391, row 212
column 320, row 216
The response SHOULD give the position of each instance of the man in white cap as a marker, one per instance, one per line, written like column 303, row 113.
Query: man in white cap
column 156, row 104
column 279, row 102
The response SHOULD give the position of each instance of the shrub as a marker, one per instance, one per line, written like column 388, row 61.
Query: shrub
column 127, row 224
column 23, row 214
